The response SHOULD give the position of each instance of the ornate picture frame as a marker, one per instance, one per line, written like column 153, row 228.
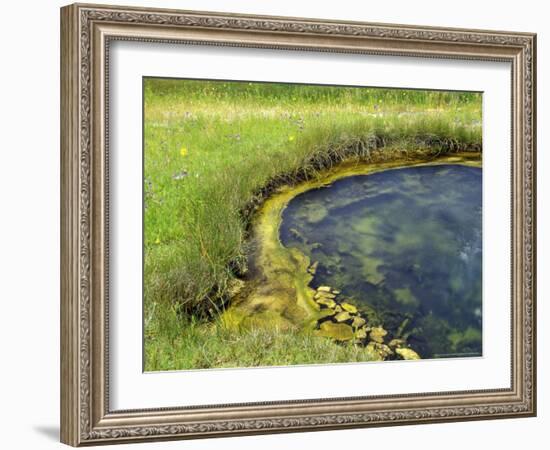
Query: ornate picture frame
column 86, row 34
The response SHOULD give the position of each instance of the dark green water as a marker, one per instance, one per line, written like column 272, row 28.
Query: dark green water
column 405, row 246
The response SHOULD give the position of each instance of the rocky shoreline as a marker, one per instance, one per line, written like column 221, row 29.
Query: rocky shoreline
column 342, row 321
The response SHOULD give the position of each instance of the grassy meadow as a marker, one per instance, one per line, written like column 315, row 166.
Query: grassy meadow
column 211, row 148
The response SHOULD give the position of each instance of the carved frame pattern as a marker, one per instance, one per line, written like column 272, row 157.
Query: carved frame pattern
column 86, row 418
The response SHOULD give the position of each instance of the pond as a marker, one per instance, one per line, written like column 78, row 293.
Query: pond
column 405, row 246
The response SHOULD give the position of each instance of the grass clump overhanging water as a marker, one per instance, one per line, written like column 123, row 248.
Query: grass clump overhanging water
column 213, row 151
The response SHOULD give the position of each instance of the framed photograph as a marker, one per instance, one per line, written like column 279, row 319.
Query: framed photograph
column 276, row 224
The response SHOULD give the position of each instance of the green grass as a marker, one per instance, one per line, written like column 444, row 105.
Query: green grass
column 191, row 344
column 210, row 149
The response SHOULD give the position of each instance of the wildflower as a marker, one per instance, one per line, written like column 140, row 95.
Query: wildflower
column 157, row 241
column 184, row 151
column 291, row 138
column 179, row 175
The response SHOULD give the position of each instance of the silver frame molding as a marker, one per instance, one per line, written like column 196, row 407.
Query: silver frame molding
column 86, row 32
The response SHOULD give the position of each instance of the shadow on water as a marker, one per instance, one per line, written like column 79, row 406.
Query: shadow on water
column 404, row 245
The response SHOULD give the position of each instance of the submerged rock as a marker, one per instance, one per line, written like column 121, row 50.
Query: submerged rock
column 361, row 333
column 342, row 316
column 407, row 353
column 349, row 307
column 337, row 331
column 327, row 302
column 377, row 335
column 323, row 295
column 327, row 312
column 342, row 321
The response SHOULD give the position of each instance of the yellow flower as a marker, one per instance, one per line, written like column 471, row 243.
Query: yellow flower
column 184, row 151
column 291, row 138
column 157, row 241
